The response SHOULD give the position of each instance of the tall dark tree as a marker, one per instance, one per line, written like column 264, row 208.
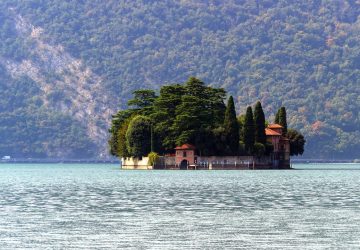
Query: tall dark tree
column 277, row 116
column 259, row 120
column 297, row 142
column 231, row 127
column 249, row 130
column 282, row 119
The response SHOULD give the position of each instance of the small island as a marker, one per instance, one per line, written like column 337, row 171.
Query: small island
column 189, row 126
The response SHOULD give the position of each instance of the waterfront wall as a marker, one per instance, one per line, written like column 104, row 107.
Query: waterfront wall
column 207, row 162
column 136, row 163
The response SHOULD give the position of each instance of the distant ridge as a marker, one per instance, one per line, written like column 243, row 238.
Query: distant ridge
column 65, row 67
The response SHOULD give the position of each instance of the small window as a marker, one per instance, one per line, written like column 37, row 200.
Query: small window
column 184, row 154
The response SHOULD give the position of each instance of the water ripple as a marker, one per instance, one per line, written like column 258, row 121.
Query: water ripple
column 100, row 206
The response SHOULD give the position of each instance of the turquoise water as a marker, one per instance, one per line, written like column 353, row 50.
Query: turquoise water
column 100, row 206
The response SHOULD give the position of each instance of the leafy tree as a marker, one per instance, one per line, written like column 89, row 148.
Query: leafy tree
column 189, row 118
column 122, row 149
column 297, row 142
column 143, row 101
column 164, row 114
column 138, row 136
column 259, row 121
column 231, row 127
column 249, row 131
column 200, row 111
column 211, row 100
column 153, row 158
column 117, row 122
column 215, row 103
column 259, row 149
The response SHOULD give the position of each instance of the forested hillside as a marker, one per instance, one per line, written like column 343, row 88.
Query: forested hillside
column 65, row 66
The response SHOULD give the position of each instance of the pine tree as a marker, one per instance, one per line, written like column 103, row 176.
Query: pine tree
column 282, row 119
column 231, row 127
column 259, row 121
column 164, row 116
column 249, row 130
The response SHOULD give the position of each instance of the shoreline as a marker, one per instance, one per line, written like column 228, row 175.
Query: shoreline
column 115, row 161
column 58, row 161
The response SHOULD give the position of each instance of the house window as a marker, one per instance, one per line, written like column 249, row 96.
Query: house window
column 184, row 154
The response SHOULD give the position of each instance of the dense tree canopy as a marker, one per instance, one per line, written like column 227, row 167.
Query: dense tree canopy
column 138, row 136
column 191, row 113
column 259, row 122
column 302, row 54
column 164, row 112
column 297, row 142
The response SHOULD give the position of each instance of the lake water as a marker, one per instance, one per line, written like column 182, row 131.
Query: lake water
column 100, row 206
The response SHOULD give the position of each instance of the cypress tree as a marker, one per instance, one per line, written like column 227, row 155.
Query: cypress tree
column 259, row 121
column 231, row 127
column 282, row 119
column 249, row 130
column 277, row 117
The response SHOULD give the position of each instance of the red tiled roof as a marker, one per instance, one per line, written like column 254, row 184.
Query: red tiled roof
column 186, row 146
column 274, row 126
column 271, row 132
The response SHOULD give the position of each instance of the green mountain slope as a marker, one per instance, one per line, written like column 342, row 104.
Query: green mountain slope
column 86, row 57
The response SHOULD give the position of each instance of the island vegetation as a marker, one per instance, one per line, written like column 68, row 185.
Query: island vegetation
column 302, row 54
column 193, row 113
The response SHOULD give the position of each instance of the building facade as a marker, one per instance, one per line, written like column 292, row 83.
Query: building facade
column 185, row 157
column 280, row 156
